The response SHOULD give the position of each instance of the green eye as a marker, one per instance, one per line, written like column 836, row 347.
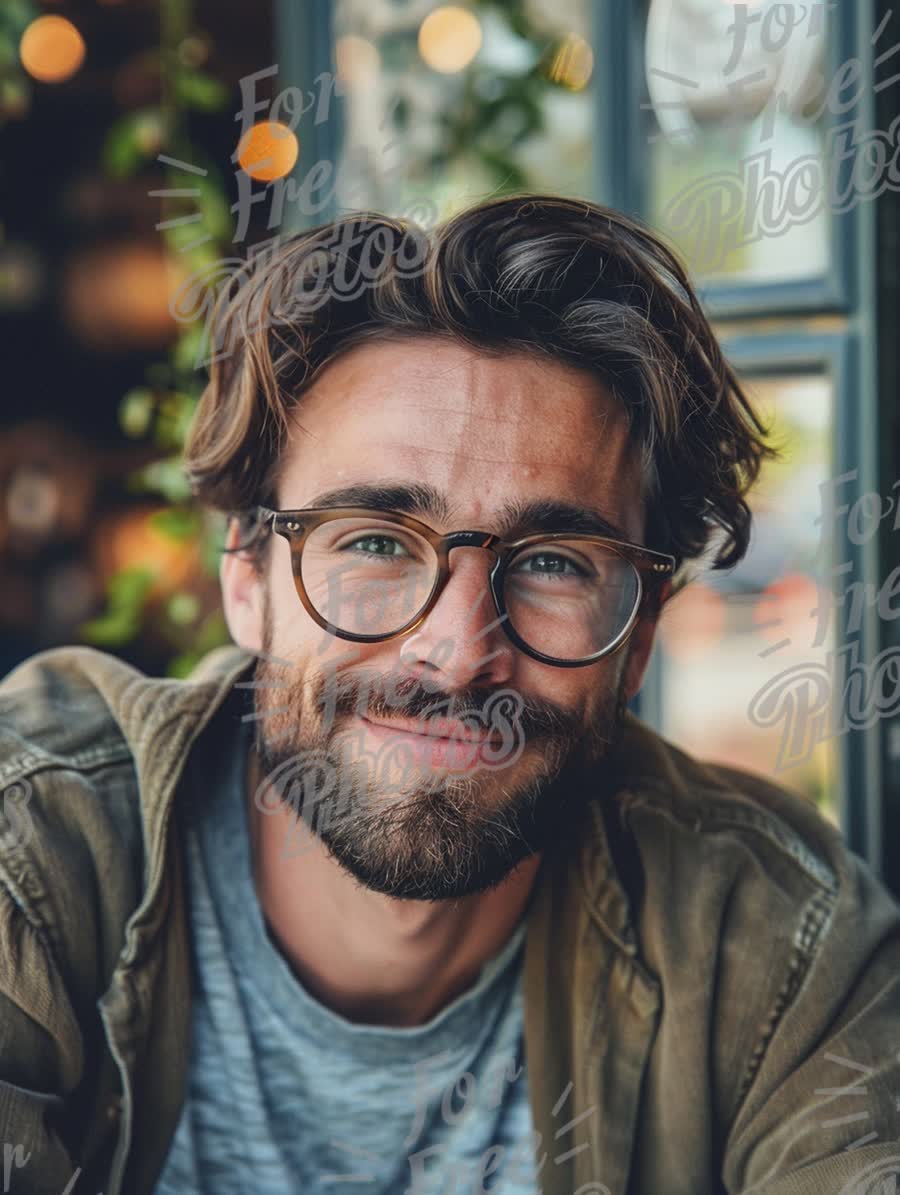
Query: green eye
column 378, row 545
column 550, row 564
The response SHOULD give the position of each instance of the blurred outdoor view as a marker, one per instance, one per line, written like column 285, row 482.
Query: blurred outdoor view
column 128, row 172
column 738, row 96
column 729, row 635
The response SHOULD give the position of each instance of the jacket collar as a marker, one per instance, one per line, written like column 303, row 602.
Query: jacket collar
column 161, row 719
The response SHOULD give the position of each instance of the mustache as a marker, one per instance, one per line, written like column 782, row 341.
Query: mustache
column 386, row 695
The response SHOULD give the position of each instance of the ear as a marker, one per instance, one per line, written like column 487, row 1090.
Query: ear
column 641, row 644
column 242, row 593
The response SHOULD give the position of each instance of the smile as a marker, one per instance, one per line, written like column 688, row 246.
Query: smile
column 436, row 728
column 442, row 742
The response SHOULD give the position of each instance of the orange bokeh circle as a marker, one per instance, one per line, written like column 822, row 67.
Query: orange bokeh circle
column 51, row 49
column 268, row 151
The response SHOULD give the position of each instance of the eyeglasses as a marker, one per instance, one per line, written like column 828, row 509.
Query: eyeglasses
column 566, row 599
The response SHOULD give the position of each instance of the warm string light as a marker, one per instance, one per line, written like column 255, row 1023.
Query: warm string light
column 357, row 61
column 449, row 38
column 268, row 151
column 51, row 49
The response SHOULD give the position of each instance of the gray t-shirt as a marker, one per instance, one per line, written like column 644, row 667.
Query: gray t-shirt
column 285, row 1095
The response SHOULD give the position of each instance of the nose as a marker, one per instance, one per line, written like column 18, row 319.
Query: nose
column 462, row 641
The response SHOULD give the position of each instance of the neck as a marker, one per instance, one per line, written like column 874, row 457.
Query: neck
column 370, row 957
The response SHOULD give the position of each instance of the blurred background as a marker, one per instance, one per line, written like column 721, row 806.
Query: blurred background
column 147, row 146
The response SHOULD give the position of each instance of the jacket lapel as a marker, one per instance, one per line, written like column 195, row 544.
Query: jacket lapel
column 149, row 997
column 591, row 1013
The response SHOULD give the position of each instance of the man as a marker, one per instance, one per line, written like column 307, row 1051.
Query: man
column 394, row 895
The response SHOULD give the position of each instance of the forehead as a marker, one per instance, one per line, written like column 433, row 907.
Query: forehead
column 483, row 430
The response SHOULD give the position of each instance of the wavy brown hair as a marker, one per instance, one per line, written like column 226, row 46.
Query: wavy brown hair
column 563, row 278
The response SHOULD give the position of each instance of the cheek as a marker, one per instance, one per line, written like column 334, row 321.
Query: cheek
column 292, row 626
column 592, row 688
column 312, row 652
column 580, row 690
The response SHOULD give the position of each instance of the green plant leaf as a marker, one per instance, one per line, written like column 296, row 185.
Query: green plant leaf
column 17, row 15
column 217, row 217
column 131, row 140
column 136, row 411
column 166, row 477
column 187, row 348
column 183, row 608
column 213, row 633
column 127, row 593
column 197, row 90
column 177, row 523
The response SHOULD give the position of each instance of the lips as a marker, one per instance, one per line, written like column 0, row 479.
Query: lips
column 434, row 728
column 436, row 742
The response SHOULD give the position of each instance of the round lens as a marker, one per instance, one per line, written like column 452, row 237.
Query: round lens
column 367, row 576
column 570, row 599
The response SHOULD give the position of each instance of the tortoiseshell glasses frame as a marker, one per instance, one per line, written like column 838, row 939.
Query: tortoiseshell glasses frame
column 651, row 568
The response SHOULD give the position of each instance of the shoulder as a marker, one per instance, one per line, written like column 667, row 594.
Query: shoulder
column 684, row 812
column 86, row 740
column 67, row 784
column 79, row 708
column 747, row 904
column 71, row 837
column 87, row 745
column 71, row 866
column 55, row 708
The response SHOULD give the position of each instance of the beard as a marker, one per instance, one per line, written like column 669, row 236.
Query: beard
column 438, row 836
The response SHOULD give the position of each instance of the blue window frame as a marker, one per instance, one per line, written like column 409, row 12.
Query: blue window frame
column 769, row 327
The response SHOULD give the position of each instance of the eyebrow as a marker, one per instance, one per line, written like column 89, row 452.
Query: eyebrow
column 514, row 519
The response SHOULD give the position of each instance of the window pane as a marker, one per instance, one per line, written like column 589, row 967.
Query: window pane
column 444, row 105
column 738, row 101
column 733, row 644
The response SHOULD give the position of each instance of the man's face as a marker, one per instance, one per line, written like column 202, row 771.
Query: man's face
column 338, row 724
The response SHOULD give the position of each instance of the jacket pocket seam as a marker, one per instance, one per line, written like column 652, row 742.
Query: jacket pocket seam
column 37, row 760
column 808, row 937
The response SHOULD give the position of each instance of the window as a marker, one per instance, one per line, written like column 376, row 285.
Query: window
column 761, row 149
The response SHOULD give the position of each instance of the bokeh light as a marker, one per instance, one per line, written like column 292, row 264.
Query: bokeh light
column 268, row 151
column 131, row 539
column 693, row 622
column 784, row 605
column 573, row 63
column 51, row 49
column 116, row 297
column 356, row 61
column 449, row 38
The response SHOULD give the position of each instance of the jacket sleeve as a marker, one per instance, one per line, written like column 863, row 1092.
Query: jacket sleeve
column 821, row 1115
column 36, row 1072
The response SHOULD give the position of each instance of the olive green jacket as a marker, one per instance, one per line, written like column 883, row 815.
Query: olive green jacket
column 711, row 979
